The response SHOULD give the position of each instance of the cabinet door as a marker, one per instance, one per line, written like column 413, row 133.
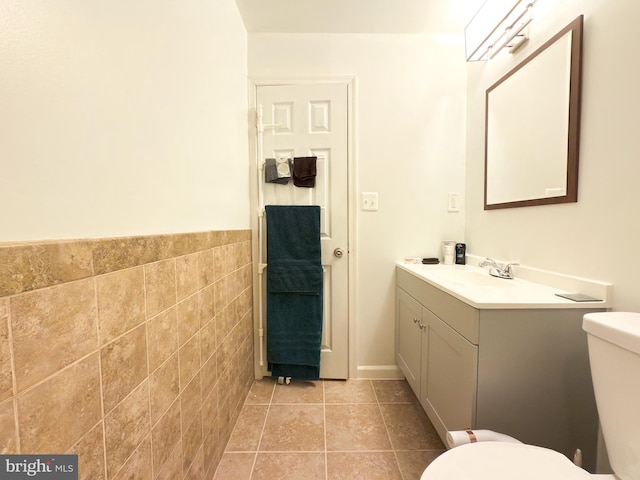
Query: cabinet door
column 408, row 338
column 449, row 386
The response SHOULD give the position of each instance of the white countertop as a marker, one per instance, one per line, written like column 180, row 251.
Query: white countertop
column 474, row 286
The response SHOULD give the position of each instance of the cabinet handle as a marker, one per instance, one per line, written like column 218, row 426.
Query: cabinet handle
column 418, row 322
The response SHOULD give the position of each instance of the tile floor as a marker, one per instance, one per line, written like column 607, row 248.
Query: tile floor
column 330, row 430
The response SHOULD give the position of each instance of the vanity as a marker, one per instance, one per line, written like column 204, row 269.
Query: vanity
column 505, row 355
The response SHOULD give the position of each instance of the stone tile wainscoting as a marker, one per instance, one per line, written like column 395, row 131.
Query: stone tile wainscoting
column 135, row 353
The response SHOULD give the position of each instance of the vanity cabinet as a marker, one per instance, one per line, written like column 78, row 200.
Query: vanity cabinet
column 439, row 364
column 522, row 372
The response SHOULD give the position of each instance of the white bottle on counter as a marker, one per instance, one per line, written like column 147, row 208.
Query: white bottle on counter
column 449, row 252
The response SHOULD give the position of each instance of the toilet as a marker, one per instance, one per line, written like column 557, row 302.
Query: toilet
column 614, row 355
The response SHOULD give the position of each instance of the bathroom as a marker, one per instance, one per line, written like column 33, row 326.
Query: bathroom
column 131, row 119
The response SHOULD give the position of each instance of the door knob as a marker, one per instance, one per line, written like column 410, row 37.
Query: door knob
column 338, row 252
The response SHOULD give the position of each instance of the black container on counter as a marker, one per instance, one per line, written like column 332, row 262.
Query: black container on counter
column 461, row 253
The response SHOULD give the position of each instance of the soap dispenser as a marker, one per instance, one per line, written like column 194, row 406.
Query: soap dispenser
column 461, row 253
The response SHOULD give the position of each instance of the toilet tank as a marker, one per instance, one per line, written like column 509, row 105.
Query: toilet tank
column 614, row 355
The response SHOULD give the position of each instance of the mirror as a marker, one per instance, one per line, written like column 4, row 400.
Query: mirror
column 532, row 127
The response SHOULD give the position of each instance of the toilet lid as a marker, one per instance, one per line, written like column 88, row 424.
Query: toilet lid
column 502, row 461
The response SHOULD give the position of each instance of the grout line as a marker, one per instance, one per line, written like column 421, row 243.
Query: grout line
column 99, row 350
column 319, row 451
column 122, row 468
column 386, row 427
column 324, row 424
column 14, row 379
column 264, row 425
column 177, row 352
column 148, row 379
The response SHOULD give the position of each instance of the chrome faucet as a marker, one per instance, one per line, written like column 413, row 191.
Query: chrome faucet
column 488, row 262
column 506, row 271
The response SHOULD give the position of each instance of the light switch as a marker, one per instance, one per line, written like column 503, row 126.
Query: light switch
column 453, row 204
column 369, row 201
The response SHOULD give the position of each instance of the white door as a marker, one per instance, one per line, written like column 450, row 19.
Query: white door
column 312, row 120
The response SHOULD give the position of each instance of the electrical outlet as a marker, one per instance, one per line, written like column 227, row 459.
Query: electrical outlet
column 453, row 204
column 369, row 201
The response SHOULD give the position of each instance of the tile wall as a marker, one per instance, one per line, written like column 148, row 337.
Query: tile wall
column 135, row 353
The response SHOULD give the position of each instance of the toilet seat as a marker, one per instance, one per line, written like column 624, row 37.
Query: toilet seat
column 502, row 461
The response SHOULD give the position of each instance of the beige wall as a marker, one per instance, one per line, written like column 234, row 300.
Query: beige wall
column 597, row 237
column 409, row 147
column 122, row 118
column 134, row 353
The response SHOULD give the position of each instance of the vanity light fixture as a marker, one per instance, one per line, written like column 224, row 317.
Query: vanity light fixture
column 498, row 24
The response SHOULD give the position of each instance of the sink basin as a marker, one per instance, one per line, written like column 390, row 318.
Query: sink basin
column 478, row 278
column 471, row 281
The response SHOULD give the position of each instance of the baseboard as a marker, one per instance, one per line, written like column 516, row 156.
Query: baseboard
column 363, row 372
column 379, row 372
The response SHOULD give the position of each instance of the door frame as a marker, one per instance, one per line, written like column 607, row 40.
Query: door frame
column 350, row 82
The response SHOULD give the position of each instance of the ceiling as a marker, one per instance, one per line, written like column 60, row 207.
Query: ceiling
column 357, row 16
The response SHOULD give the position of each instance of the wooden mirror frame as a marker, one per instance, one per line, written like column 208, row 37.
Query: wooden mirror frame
column 573, row 144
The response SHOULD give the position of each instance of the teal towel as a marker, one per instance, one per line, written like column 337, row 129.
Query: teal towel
column 294, row 291
column 303, row 279
column 293, row 234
